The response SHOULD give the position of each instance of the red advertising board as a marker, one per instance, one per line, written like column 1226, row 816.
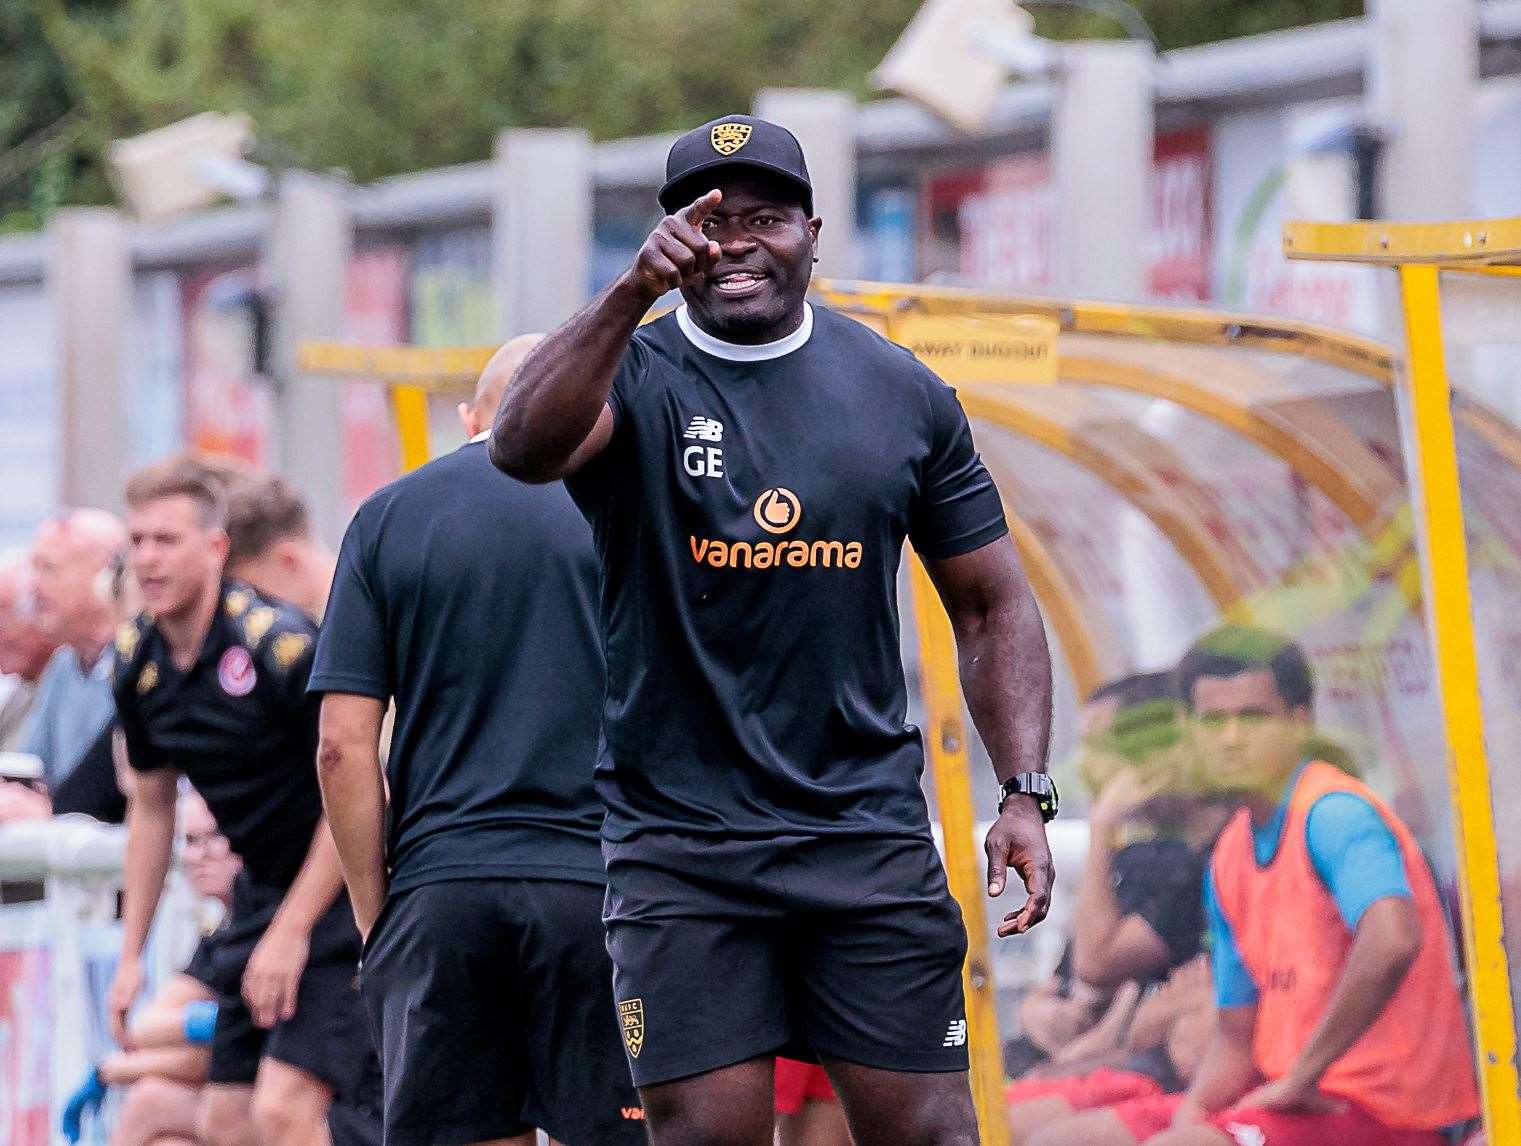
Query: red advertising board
column 227, row 406
column 997, row 225
column 26, row 1045
column 375, row 313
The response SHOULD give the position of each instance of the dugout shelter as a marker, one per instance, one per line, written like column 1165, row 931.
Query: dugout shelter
column 1166, row 469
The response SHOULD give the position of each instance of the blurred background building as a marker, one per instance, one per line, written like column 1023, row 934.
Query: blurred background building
column 125, row 340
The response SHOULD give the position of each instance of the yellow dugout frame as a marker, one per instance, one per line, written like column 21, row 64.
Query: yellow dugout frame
column 1420, row 254
column 412, row 373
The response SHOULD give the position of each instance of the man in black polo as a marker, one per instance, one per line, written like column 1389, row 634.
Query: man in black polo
column 469, row 598
column 211, row 683
column 751, row 466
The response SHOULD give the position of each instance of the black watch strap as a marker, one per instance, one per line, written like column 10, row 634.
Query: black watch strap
column 1034, row 784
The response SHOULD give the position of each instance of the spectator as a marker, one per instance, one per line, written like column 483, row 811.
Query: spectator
column 77, row 568
column 1138, row 917
column 1339, row 1018
column 272, row 546
column 166, row 1055
column 24, row 649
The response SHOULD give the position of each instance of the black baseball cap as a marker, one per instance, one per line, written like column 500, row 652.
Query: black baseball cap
column 735, row 141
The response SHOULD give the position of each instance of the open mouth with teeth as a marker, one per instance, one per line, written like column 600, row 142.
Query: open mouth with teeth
column 735, row 284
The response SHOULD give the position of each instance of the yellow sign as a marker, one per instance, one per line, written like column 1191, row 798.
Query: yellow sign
column 1017, row 349
column 441, row 367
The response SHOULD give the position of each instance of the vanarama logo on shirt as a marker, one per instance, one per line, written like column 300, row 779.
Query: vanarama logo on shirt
column 777, row 511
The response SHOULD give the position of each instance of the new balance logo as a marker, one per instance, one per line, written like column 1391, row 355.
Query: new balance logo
column 1245, row 1134
column 955, row 1035
column 705, row 429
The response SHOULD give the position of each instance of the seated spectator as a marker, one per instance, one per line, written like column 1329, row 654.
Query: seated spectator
column 1158, row 1040
column 24, row 649
column 1138, row 916
column 1338, row 1012
column 165, row 1059
column 76, row 565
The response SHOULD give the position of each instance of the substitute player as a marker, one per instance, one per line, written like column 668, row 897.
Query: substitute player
column 211, row 683
column 751, row 466
column 469, row 598
column 1340, row 1018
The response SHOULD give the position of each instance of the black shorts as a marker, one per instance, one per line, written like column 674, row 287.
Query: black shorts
column 327, row 1036
column 845, row 948
column 202, row 966
column 491, row 1002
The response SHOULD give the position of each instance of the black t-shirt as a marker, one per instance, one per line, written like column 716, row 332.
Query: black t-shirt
column 237, row 723
column 1162, row 882
column 471, row 599
column 750, row 516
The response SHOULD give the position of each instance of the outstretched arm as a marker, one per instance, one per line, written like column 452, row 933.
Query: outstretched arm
column 554, row 416
column 1006, row 676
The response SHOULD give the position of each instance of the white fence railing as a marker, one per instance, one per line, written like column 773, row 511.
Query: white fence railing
column 58, row 954
column 57, row 957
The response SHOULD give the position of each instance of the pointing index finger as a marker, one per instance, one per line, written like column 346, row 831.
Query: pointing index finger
column 702, row 206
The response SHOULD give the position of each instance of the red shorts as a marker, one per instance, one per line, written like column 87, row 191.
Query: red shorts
column 1145, row 1117
column 800, row 1082
column 1084, row 1091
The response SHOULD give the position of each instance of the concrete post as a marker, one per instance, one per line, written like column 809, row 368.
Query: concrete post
column 541, row 227
column 310, row 240
column 1101, row 156
column 90, row 280
column 1422, row 82
column 825, row 124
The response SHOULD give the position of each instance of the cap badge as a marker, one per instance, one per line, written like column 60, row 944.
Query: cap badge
column 729, row 137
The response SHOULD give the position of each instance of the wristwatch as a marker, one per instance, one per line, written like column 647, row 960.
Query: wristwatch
column 1036, row 784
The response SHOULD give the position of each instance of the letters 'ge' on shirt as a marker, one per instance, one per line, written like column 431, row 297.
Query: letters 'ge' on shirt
column 749, row 513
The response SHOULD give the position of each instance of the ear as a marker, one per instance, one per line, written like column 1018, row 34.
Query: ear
column 219, row 546
column 815, row 225
column 286, row 553
column 467, row 419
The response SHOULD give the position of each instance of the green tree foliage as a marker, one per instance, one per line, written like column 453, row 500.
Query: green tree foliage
column 375, row 87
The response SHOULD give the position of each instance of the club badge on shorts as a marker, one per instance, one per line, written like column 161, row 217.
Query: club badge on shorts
column 727, row 138
column 631, row 1015
column 235, row 672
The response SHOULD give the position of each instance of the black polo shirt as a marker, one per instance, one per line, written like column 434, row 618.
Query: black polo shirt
column 469, row 598
column 750, row 513
column 237, row 723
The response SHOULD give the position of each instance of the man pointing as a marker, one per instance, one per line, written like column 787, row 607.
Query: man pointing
column 751, row 467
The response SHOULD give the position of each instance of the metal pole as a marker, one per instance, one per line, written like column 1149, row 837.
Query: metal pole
column 1444, row 545
column 311, row 236
column 945, row 740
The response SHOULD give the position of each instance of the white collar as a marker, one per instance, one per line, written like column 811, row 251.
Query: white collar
column 480, row 437
column 736, row 352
